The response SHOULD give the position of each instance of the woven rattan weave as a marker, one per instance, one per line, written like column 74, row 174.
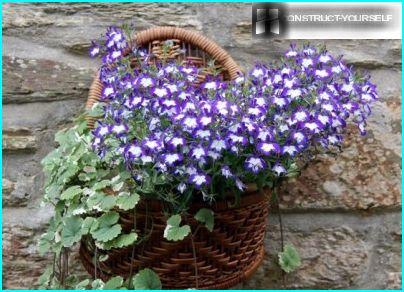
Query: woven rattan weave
column 224, row 257
column 206, row 260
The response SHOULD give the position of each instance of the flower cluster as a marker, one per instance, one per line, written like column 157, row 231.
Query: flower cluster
column 157, row 119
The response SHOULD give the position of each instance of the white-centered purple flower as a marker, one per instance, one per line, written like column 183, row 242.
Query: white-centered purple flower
column 258, row 72
column 133, row 151
column 226, row 171
column 171, row 158
column 279, row 169
column 120, row 129
column 240, row 185
column 175, row 142
column 300, row 116
column 255, row 164
column 108, row 92
column 295, row 93
column 161, row 92
column 323, row 73
column 199, row 180
column 203, row 134
column 198, row 152
column 307, row 62
column 153, row 145
column 289, row 149
column 146, row 82
column 190, row 123
column 205, row 120
column 211, row 85
column 218, row 145
column 158, row 115
column 268, row 148
column 313, row 126
column 182, row 187
column 95, row 50
column 324, row 58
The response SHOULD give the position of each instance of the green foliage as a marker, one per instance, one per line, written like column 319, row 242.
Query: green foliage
column 72, row 231
column 120, row 241
column 289, row 259
column 82, row 285
column 114, row 283
column 174, row 231
column 146, row 279
column 45, row 279
column 205, row 216
column 127, row 201
column 71, row 193
column 107, row 228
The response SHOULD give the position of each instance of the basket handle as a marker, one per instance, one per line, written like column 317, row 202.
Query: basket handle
column 210, row 47
column 164, row 33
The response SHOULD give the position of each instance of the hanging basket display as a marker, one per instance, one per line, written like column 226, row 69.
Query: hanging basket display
column 206, row 260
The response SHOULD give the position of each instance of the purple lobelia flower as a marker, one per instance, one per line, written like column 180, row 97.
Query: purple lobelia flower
column 199, row 180
column 157, row 119
column 255, row 164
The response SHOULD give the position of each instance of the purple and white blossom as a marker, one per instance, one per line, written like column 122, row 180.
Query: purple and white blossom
column 255, row 164
column 195, row 133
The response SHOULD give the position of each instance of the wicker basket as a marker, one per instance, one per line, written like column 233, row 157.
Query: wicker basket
column 205, row 260
column 223, row 258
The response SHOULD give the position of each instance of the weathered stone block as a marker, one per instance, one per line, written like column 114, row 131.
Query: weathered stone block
column 19, row 140
column 42, row 80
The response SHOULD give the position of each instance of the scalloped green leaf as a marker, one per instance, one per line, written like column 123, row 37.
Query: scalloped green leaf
column 98, row 284
column 174, row 231
column 89, row 223
column 101, row 185
column 206, row 216
column 127, row 201
column 101, row 202
column 72, row 230
column 82, row 285
column 45, row 242
column 114, row 283
column 289, row 259
column 121, row 241
column 71, row 192
column 147, row 279
column 107, row 227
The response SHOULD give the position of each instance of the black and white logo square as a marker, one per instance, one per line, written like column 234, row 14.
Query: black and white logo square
column 267, row 20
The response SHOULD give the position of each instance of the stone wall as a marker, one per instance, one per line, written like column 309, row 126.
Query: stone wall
column 343, row 214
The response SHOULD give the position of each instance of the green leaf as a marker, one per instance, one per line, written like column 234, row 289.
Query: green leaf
column 44, row 279
column 205, row 216
column 45, row 242
column 101, row 185
column 101, row 202
column 97, row 284
column 107, row 228
column 71, row 192
column 82, row 285
column 72, row 231
column 89, row 224
column 147, row 279
column 174, row 231
column 121, row 241
column 127, row 201
column 114, row 283
column 289, row 259
column 96, row 110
